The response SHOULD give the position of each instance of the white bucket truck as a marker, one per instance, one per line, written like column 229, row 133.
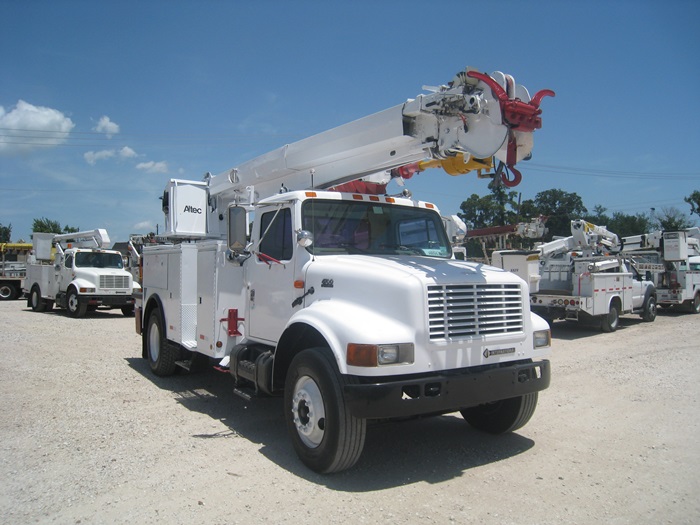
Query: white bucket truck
column 349, row 303
column 673, row 258
column 578, row 279
column 76, row 272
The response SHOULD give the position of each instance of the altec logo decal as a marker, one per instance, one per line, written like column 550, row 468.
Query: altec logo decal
column 192, row 209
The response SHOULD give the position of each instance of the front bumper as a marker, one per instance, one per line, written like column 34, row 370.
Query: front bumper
column 107, row 300
column 446, row 391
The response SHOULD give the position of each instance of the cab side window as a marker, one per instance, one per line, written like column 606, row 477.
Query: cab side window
column 277, row 242
column 68, row 262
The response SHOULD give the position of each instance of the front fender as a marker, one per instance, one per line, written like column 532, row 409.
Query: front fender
column 79, row 283
column 341, row 322
column 538, row 323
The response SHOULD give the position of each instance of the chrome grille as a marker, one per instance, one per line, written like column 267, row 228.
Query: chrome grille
column 460, row 311
column 114, row 281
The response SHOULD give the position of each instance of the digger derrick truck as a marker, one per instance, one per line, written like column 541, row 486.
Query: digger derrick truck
column 580, row 279
column 76, row 272
column 672, row 260
column 342, row 299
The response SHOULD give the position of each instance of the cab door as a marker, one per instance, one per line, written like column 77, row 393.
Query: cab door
column 270, row 274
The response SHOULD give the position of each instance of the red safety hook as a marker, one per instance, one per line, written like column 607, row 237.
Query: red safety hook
column 518, row 116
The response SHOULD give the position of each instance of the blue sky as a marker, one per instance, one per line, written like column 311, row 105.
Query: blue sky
column 102, row 102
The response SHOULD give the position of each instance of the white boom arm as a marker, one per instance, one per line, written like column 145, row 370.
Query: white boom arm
column 653, row 240
column 474, row 116
column 585, row 236
column 87, row 239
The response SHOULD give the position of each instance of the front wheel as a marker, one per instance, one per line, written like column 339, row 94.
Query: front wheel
column 610, row 322
column 326, row 437
column 128, row 311
column 75, row 307
column 502, row 416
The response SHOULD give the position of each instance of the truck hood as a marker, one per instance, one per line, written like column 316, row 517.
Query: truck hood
column 402, row 287
column 400, row 269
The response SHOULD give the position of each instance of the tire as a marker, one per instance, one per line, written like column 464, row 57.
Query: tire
column 694, row 304
column 326, row 437
column 503, row 416
column 649, row 311
column 35, row 300
column 610, row 322
column 161, row 355
column 128, row 311
column 75, row 307
column 8, row 291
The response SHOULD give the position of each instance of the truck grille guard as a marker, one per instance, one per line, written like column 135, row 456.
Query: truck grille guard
column 114, row 281
column 463, row 311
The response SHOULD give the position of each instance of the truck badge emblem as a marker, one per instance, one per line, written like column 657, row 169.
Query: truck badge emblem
column 500, row 351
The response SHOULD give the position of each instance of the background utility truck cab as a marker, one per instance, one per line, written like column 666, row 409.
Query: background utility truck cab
column 75, row 272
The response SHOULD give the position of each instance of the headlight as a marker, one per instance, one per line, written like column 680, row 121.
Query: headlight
column 87, row 290
column 542, row 338
column 380, row 355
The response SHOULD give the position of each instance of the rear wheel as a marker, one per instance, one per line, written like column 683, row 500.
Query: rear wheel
column 326, row 437
column 694, row 304
column 161, row 355
column 7, row 291
column 610, row 322
column 35, row 300
column 502, row 416
column 649, row 312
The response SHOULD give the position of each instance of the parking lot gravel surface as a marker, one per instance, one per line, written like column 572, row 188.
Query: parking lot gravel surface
column 89, row 435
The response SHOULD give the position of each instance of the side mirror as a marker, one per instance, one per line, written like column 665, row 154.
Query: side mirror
column 305, row 238
column 237, row 228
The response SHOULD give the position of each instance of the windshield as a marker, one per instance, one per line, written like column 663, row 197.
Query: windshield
column 373, row 228
column 98, row 260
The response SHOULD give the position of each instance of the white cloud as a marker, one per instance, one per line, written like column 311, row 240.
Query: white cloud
column 145, row 226
column 27, row 127
column 127, row 153
column 153, row 167
column 106, row 126
column 91, row 157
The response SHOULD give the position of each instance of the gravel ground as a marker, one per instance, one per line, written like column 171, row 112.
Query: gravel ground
column 89, row 435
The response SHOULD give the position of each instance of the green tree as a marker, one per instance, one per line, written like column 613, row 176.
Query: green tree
column 672, row 219
column 694, row 201
column 495, row 209
column 44, row 225
column 5, row 233
column 620, row 223
column 599, row 217
column 559, row 206
column 625, row 225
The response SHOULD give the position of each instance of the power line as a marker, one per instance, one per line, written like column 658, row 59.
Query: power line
column 594, row 172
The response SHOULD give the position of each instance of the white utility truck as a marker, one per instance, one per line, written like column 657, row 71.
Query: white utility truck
column 347, row 301
column 13, row 268
column 579, row 280
column 673, row 258
column 76, row 272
